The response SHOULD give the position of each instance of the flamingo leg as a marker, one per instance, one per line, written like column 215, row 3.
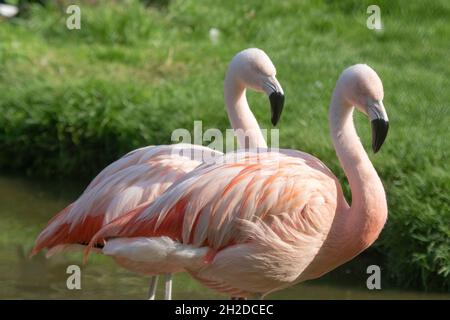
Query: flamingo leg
column 152, row 288
column 168, row 286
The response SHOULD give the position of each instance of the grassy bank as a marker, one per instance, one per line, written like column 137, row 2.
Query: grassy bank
column 73, row 101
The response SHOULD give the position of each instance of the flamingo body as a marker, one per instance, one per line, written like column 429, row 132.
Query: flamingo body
column 250, row 226
column 135, row 179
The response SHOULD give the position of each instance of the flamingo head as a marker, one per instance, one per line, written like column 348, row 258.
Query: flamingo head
column 252, row 68
column 363, row 89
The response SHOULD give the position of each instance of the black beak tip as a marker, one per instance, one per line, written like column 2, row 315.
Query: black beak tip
column 276, row 105
column 380, row 128
column 274, row 121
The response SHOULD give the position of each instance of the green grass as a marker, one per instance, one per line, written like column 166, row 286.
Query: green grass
column 73, row 101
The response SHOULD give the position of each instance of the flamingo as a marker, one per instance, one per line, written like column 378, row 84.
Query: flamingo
column 140, row 176
column 254, row 223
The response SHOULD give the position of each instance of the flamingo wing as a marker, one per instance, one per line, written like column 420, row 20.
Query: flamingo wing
column 135, row 179
column 210, row 205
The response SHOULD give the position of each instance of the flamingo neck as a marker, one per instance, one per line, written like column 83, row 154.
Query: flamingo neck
column 363, row 221
column 243, row 121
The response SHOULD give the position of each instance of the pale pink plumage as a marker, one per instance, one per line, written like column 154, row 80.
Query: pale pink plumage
column 235, row 211
column 264, row 221
column 136, row 178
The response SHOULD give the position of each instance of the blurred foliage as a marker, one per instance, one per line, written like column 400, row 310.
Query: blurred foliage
column 74, row 100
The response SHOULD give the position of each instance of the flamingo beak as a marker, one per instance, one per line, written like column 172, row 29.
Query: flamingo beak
column 276, row 96
column 276, row 106
column 380, row 129
column 380, row 124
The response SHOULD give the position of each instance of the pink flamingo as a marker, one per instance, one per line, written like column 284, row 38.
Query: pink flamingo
column 139, row 177
column 265, row 221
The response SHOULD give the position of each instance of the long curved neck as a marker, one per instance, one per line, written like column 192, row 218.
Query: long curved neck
column 242, row 120
column 365, row 218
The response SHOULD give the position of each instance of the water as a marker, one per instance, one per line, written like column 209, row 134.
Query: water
column 26, row 206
